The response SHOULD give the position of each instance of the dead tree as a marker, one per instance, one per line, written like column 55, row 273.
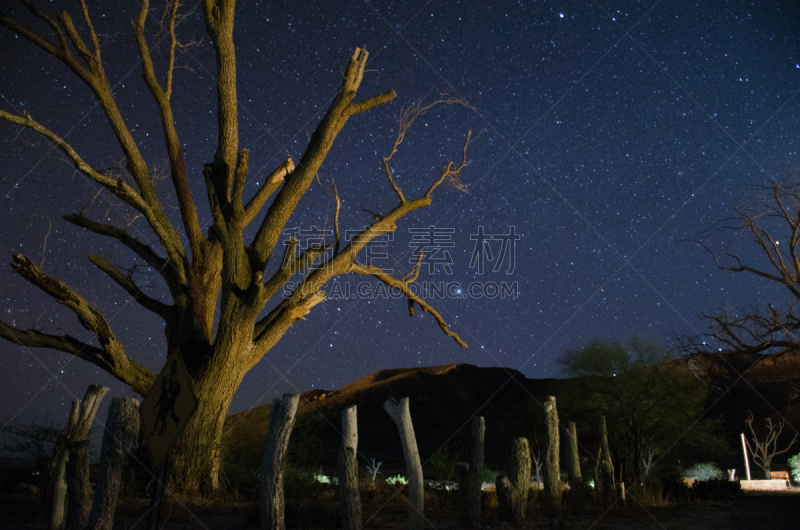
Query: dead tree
column 348, row 471
column 512, row 490
column 471, row 478
column 552, row 476
column 537, row 464
column 121, row 430
column 576, row 493
column 281, row 422
column 222, row 310
column 647, row 463
column 606, row 467
column 769, row 224
column 766, row 448
column 401, row 415
column 79, row 489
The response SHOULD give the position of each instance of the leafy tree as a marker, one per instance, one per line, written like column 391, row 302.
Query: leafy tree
column 650, row 403
column 223, row 309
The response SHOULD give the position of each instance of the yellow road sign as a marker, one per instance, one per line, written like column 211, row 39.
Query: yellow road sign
column 167, row 409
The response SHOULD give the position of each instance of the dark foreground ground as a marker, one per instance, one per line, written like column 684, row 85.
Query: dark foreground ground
column 750, row 510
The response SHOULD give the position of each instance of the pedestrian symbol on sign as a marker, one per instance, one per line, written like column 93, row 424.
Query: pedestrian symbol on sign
column 170, row 390
column 167, row 409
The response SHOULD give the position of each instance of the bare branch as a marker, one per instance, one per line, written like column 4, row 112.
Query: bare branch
column 320, row 144
column 113, row 352
column 772, row 222
column 180, row 182
column 408, row 116
column 334, row 193
column 404, row 287
column 116, row 186
column 273, row 182
column 163, row 266
column 219, row 24
column 134, row 374
column 126, row 282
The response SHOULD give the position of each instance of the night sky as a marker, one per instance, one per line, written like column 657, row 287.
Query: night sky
column 610, row 133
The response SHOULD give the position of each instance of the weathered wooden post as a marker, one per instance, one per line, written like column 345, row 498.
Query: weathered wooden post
column 58, row 509
column 348, row 471
column 576, row 493
column 512, row 490
column 121, row 430
column 552, row 475
column 470, row 478
column 79, row 490
column 606, row 466
column 281, row 422
column 401, row 415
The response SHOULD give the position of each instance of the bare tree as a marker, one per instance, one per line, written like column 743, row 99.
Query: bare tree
column 769, row 224
column 766, row 448
column 220, row 267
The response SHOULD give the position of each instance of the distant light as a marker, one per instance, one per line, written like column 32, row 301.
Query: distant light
column 561, row 15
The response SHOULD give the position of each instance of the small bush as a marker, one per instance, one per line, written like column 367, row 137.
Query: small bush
column 794, row 464
column 397, row 479
column 704, row 471
column 489, row 476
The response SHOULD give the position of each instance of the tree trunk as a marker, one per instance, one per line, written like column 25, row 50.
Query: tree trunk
column 121, row 430
column 348, row 471
column 606, row 466
column 401, row 415
column 576, row 493
column 552, row 476
column 512, row 491
column 281, row 422
column 471, row 478
column 196, row 457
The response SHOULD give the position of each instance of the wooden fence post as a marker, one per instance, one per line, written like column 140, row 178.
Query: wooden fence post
column 121, row 430
column 471, row 478
column 576, row 493
column 58, row 467
column 281, row 422
column 348, row 471
column 552, row 475
column 606, row 466
column 79, row 490
column 401, row 415
column 512, row 490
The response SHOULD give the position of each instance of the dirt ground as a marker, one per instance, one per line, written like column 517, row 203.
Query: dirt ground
column 771, row 510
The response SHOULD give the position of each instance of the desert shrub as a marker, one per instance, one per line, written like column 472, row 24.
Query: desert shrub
column 489, row 476
column 442, row 466
column 704, row 471
column 660, row 489
column 242, row 474
column 717, row 489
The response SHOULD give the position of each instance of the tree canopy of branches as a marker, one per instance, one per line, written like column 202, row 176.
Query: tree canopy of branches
column 651, row 404
column 765, row 448
column 219, row 318
column 768, row 228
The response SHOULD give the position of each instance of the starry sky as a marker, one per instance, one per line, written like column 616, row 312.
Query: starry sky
column 608, row 135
